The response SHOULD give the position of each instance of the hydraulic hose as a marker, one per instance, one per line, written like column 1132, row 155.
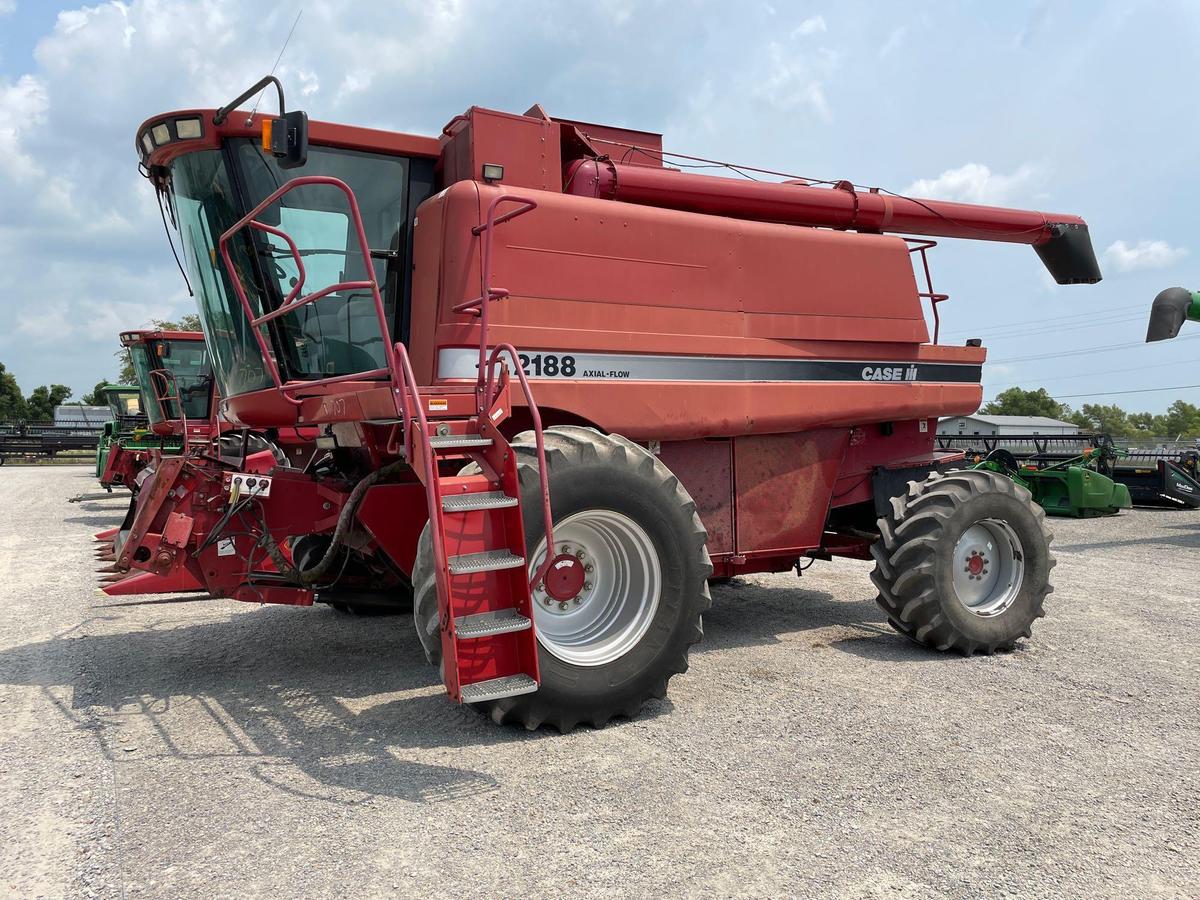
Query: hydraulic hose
column 313, row 574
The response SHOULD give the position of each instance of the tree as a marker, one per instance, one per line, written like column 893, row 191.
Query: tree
column 1148, row 423
column 12, row 402
column 1182, row 419
column 41, row 402
column 1018, row 402
column 1110, row 420
column 96, row 396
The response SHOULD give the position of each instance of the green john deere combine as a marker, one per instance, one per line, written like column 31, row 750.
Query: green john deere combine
column 129, row 424
column 1075, row 487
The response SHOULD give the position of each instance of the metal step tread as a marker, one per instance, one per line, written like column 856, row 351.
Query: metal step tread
column 455, row 503
column 486, row 624
column 495, row 688
column 484, row 561
column 458, row 441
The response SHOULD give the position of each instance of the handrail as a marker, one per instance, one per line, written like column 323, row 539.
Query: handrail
column 491, row 391
column 162, row 397
column 293, row 301
column 920, row 245
column 483, row 301
column 408, row 385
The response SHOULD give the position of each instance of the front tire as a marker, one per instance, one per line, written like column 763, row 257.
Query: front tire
column 963, row 562
column 641, row 609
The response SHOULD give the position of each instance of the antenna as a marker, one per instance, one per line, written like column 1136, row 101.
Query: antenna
column 286, row 41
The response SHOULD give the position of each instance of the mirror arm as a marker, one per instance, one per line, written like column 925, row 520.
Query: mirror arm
column 223, row 113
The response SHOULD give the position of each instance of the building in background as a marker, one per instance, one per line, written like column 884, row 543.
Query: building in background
column 1001, row 425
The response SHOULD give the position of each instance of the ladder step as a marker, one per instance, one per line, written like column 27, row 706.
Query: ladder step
column 486, row 561
column 458, row 441
column 460, row 503
column 485, row 624
column 495, row 688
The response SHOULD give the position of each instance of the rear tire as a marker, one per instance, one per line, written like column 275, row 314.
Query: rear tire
column 590, row 472
column 963, row 562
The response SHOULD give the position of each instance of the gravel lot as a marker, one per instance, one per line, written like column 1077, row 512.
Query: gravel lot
column 215, row 749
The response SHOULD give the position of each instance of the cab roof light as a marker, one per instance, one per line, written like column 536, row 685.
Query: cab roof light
column 147, row 144
column 162, row 134
column 493, row 172
column 187, row 129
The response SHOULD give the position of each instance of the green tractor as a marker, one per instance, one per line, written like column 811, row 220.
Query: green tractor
column 129, row 424
column 1170, row 310
column 1080, row 487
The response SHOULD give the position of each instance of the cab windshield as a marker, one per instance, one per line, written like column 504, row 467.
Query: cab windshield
column 125, row 404
column 337, row 335
column 191, row 372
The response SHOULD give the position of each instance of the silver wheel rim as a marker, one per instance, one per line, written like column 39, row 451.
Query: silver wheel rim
column 989, row 568
column 622, row 587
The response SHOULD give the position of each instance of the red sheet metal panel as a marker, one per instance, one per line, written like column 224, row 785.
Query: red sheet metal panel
column 784, row 483
column 705, row 469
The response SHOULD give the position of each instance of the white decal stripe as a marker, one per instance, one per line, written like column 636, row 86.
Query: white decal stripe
column 462, row 362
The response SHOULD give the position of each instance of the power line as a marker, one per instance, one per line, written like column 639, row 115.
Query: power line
column 1082, row 350
column 1090, row 374
column 1178, row 387
column 1042, row 328
column 1077, row 315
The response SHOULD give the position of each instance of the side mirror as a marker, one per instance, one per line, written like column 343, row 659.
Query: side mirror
column 286, row 138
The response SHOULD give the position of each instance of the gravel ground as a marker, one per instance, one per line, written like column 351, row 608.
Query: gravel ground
column 215, row 749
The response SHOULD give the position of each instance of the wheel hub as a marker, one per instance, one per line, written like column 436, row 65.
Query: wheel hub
column 601, row 591
column 988, row 567
column 565, row 577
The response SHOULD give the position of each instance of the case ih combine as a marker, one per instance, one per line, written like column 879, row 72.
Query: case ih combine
column 561, row 384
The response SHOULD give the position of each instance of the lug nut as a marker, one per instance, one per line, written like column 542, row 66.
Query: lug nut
column 547, row 601
column 562, row 606
column 576, row 601
column 588, row 568
column 579, row 555
column 587, row 585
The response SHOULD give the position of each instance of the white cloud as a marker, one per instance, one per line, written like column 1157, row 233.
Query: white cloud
column 8, row 7
column 22, row 105
column 1127, row 257
column 976, row 183
column 814, row 25
column 894, row 41
column 794, row 81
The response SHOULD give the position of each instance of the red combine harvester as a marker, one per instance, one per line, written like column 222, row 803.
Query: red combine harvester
column 731, row 376
column 173, row 371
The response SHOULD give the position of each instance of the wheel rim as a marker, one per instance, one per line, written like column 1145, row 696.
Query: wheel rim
column 622, row 588
column 989, row 567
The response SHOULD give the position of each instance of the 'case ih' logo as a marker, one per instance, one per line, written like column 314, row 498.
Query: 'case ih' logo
column 889, row 373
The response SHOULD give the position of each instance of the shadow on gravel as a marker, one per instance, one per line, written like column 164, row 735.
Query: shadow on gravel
column 113, row 518
column 1189, row 541
column 304, row 693
column 746, row 615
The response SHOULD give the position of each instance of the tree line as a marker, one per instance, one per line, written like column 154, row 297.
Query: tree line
column 1181, row 420
column 39, row 405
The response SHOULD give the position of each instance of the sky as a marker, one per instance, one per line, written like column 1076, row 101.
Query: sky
column 1074, row 107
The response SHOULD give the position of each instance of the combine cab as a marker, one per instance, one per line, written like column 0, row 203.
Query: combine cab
column 730, row 376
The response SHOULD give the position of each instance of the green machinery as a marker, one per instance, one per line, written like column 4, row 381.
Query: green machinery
column 129, row 424
column 1075, row 487
column 1170, row 310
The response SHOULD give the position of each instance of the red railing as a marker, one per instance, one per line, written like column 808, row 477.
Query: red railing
column 294, row 300
column 920, row 245
column 166, row 390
